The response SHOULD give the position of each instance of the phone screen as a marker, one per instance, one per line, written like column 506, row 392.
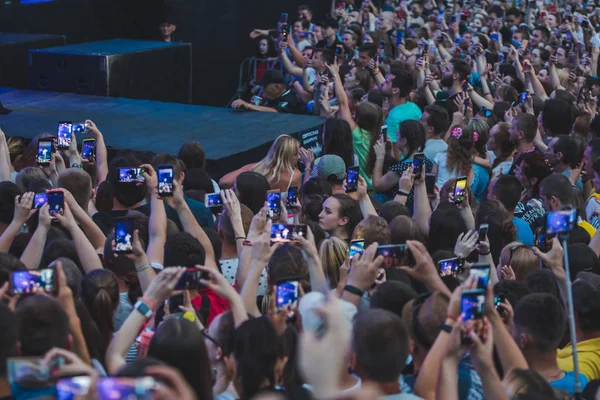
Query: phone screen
column 471, row 307
column 357, row 247
column 394, row 255
column 125, row 388
column 482, row 273
column 450, row 267
column 292, row 196
column 79, row 128
column 495, row 36
column 44, row 151
column 70, row 388
column 33, row 280
column 274, row 204
column 33, row 372
column 190, row 279
column 399, row 38
column 174, row 302
column 483, row 229
column 124, row 235
column 430, row 184
column 283, row 18
column 287, row 294
column 352, row 180
column 39, row 200
column 56, row 202
column 523, row 97
column 418, row 164
column 130, row 175
column 88, row 150
column 561, row 221
column 498, row 299
column 459, row 190
column 165, row 180
column 285, row 232
column 213, row 200
column 64, row 134
column 384, row 132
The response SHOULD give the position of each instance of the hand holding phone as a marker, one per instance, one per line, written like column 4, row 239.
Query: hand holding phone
column 292, row 197
column 352, row 179
column 88, row 150
column 165, row 180
column 471, row 307
column 32, row 281
column 273, row 204
column 418, row 160
column 63, row 134
column 213, row 200
column 45, row 150
column 56, row 203
column 287, row 294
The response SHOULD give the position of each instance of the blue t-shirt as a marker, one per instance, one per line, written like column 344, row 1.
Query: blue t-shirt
column 578, row 183
column 481, row 179
column 199, row 210
column 399, row 114
column 524, row 232
column 567, row 382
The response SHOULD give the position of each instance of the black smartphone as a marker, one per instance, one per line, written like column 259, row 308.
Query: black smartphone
column 352, row 179
column 357, row 247
column 213, row 200
column 560, row 221
column 283, row 18
column 430, row 184
column 292, row 196
column 482, row 272
column 45, row 150
column 124, row 235
column 453, row 18
column 285, row 232
column 174, row 302
column 499, row 299
column 165, row 180
column 273, row 203
column 88, row 150
column 450, row 266
column 284, row 32
column 460, row 189
column 63, row 134
column 56, row 202
column 34, row 280
column 384, row 133
column 395, row 255
column 339, row 50
column 191, row 279
column 287, row 293
column 131, row 175
column 523, row 97
column 79, row 127
column 483, row 230
column 418, row 160
column 39, row 200
column 471, row 307
column 126, row 388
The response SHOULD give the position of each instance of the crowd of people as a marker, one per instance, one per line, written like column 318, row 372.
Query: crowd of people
column 453, row 129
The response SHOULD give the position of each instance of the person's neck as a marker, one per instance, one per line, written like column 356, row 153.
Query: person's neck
column 560, row 167
column 167, row 38
column 4, row 387
column 524, row 146
column 433, row 136
column 330, row 40
column 340, row 232
column 582, row 336
column 120, row 207
column 228, row 251
column 455, row 88
column 397, row 100
column 347, row 381
column 223, row 382
column 544, row 364
column 338, row 189
column 122, row 286
column 511, row 214
column 388, row 388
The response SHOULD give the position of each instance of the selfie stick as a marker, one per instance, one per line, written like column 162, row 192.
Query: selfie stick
column 564, row 236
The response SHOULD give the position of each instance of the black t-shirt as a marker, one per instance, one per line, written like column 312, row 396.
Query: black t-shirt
column 286, row 103
column 323, row 45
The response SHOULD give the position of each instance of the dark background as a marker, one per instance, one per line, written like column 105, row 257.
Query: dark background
column 218, row 30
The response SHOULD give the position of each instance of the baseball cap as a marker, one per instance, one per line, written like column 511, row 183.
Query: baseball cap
column 329, row 23
column 330, row 164
column 272, row 76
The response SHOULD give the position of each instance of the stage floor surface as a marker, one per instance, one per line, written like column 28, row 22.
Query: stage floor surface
column 149, row 125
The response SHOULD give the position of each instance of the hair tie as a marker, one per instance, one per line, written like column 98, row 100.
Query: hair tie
column 457, row 132
column 475, row 137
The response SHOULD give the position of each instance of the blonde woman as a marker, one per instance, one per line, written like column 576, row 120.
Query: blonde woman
column 333, row 253
column 278, row 166
column 520, row 258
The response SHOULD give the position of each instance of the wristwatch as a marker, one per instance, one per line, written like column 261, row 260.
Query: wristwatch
column 143, row 308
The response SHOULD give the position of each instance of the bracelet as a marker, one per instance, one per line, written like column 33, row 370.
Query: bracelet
column 451, row 317
column 486, row 94
column 447, row 328
column 240, row 237
column 402, row 193
column 354, row 290
column 247, row 243
column 485, row 254
column 149, row 301
column 143, row 268
column 75, row 165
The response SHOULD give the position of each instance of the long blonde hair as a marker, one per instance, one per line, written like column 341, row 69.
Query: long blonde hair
column 333, row 253
column 282, row 155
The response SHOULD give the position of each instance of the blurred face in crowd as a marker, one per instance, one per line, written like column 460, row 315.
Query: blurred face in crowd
column 491, row 144
column 543, row 76
column 348, row 41
column 467, row 37
column 513, row 20
column 364, row 59
column 317, row 61
column 273, row 91
column 517, row 37
column 515, row 136
column 367, row 38
column 297, row 29
column 596, row 182
column 561, row 56
column 387, row 89
column 167, row 29
column 305, row 14
column 536, row 58
column 329, row 218
column 448, row 77
column 386, row 21
column 263, row 47
column 536, row 37
column 552, row 21
column 551, row 156
column 318, row 31
column 350, row 79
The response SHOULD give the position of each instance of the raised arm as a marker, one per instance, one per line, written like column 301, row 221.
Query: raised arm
column 32, row 255
column 422, row 210
column 217, row 282
column 157, row 226
column 363, row 199
column 87, row 225
column 287, row 64
column 101, row 152
column 21, row 214
column 340, row 93
column 5, row 163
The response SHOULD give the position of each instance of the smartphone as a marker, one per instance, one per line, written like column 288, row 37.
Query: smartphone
column 63, row 133
column 418, row 164
column 126, row 388
column 88, row 150
column 399, row 38
column 39, row 200
column 124, row 235
column 471, row 307
column 482, row 273
column 516, row 44
column 453, row 19
column 287, row 294
column 283, row 18
column 131, row 175
column 585, row 24
column 79, row 128
column 451, row 266
column 384, row 132
column 357, row 247
column 45, row 150
column 495, row 36
column 33, row 372
column 165, row 180
column 29, row 281
column 499, row 299
column 284, row 32
column 213, row 200
column 523, row 97
column 256, row 100
column 483, row 230
column 73, row 388
column 352, row 179
column 285, row 232
column 460, row 189
column 191, row 279
column 273, row 203
column 339, row 50
column 174, row 302
column 560, row 221
column 543, row 241
column 395, row 255
column 56, row 202
column 430, row 184
column 292, row 196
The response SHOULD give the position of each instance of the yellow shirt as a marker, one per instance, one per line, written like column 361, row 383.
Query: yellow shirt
column 588, row 227
column 589, row 358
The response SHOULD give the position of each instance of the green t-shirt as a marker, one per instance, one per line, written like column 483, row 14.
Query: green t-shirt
column 361, row 140
column 399, row 114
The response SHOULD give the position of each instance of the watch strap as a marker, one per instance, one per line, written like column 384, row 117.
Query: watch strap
column 354, row 290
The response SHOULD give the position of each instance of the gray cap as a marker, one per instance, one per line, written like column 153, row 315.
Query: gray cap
column 331, row 164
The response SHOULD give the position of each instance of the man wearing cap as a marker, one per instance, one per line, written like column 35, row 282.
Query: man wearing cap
column 274, row 96
column 167, row 28
column 333, row 169
column 330, row 39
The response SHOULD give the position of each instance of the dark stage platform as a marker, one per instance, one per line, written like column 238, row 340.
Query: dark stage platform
column 230, row 138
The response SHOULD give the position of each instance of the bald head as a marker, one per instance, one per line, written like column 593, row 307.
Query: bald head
column 79, row 183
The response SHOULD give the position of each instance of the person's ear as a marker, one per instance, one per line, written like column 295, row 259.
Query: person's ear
column 182, row 177
column 523, row 340
column 174, row 28
column 554, row 202
column 559, row 155
column 344, row 221
column 219, row 355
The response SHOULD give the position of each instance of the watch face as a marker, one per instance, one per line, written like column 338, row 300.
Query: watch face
column 144, row 309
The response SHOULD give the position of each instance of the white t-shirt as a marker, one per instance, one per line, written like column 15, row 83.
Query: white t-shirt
column 229, row 268
column 441, row 160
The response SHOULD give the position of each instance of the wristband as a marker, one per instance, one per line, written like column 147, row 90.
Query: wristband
column 247, row 243
column 149, row 301
column 485, row 254
column 402, row 193
column 447, row 328
column 240, row 237
column 143, row 308
column 354, row 290
column 451, row 317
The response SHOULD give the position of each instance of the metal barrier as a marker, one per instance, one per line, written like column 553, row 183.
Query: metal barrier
column 248, row 72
